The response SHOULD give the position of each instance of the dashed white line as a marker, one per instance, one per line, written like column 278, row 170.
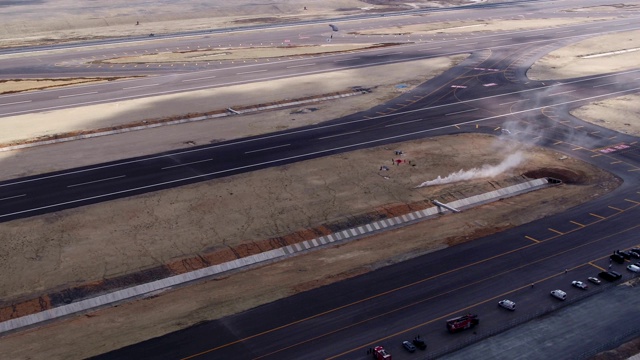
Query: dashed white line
column 72, row 95
column 250, row 72
column 349, row 59
column 596, row 86
column 265, row 149
column 395, row 53
column 139, row 86
column 185, row 164
column 96, row 181
column 564, row 92
column 16, row 102
column 467, row 44
column 512, row 102
column 201, row 78
column 460, row 112
column 301, row 65
column 404, row 122
column 343, row 134
column 13, row 197
column 434, row 48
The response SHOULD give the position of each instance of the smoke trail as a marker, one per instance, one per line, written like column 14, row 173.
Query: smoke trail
column 486, row 171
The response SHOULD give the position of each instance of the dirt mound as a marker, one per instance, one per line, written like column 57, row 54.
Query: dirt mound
column 567, row 176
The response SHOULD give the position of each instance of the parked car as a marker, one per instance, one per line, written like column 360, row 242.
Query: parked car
column 507, row 304
column 409, row 346
column 594, row 280
column 624, row 254
column 634, row 268
column 579, row 285
column 559, row 294
column 610, row 275
column 419, row 343
column 617, row 258
column 635, row 254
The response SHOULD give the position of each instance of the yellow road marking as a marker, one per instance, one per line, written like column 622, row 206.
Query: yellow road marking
column 556, row 231
column 476, row 126
column 559, row 142
column 457, row 127
column 598, row 216
column 532, row 239
column 635, row 202
column 578, row 127
column 578, row 148
column 596, row 155
column 636, row 169
column 596, row 266
column 577, row 223
column 496, row 128
column 616, row 162
column 613, row 137
column 614, row 208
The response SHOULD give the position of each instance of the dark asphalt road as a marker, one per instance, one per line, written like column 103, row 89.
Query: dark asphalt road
column 386, row 306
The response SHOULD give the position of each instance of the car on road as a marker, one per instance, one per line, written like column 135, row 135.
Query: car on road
column 579, row 284
column 634, row 268
column 420, row 343
column 617, row 258
column 610, row 275
column 409, row 346
column 624, row 254
column 507, row 304
column 559, row 294
column 594, row 280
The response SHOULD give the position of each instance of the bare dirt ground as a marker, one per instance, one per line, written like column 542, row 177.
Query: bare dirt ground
column 71, row 243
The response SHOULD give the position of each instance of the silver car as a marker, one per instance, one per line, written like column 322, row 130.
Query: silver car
column 507, row 304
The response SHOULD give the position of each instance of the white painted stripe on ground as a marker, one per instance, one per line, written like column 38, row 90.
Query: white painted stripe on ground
column 139, row 86
column 460, row 112
column 96, row 181
column 251, row 72
column 198, row 79
column 13, row 197
column 265, row 149
column 301, row 65
column 72, row 95
column 185, row 164
column 343, row 134
column 16, row 102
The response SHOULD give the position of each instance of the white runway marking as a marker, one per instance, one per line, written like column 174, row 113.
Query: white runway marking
column 139, row 86
column 96, row 181
column 265, row 149
column 343, row 134
column 185, row 164
column 460, row 112
column 72, row 95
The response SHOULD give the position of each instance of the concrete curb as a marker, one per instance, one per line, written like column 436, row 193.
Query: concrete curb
column 289, row 250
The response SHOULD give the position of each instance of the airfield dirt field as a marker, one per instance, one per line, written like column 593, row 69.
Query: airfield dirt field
column 102, row 240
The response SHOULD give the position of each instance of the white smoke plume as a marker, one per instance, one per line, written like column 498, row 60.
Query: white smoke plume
column 486, row 171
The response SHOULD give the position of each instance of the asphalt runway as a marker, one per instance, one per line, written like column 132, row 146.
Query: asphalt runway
column 384, row 307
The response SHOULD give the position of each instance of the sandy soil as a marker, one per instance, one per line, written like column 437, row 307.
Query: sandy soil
column 67, row 246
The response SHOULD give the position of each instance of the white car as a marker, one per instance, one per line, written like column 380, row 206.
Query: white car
column 634, row 268
column 559, row 294
column 580, row 285
column 507, row 304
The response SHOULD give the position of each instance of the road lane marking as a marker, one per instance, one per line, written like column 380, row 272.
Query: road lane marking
column 564, row 92
column 72, row 95
column 185, row 164
column 202, row 78
column 13, row 197
column 301, row 65
column 596, row 266
column 612, row 83
column 429, row 49
column 512, row 102
column 16, row 102
column 251, row 72
column 460, row 112
column 598, row 216
column 467, row 44
column 556, row 231
column 387, row 54
column 343, row 134
column 404, row 122
column 139, row 86
column 632, row 201
column 615, row 208
column 265, row 149
column 379, row 295
column 96, row 181
column 576, row 223
column 532, row 239
column 349, row 59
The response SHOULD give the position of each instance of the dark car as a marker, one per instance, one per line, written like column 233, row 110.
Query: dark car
column 624, row 254
column 617, row 258
column 409, row 346
column 419, row 343
column 635, row 254
column 610, row 275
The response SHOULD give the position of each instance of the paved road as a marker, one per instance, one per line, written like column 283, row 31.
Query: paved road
column 342, row 320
